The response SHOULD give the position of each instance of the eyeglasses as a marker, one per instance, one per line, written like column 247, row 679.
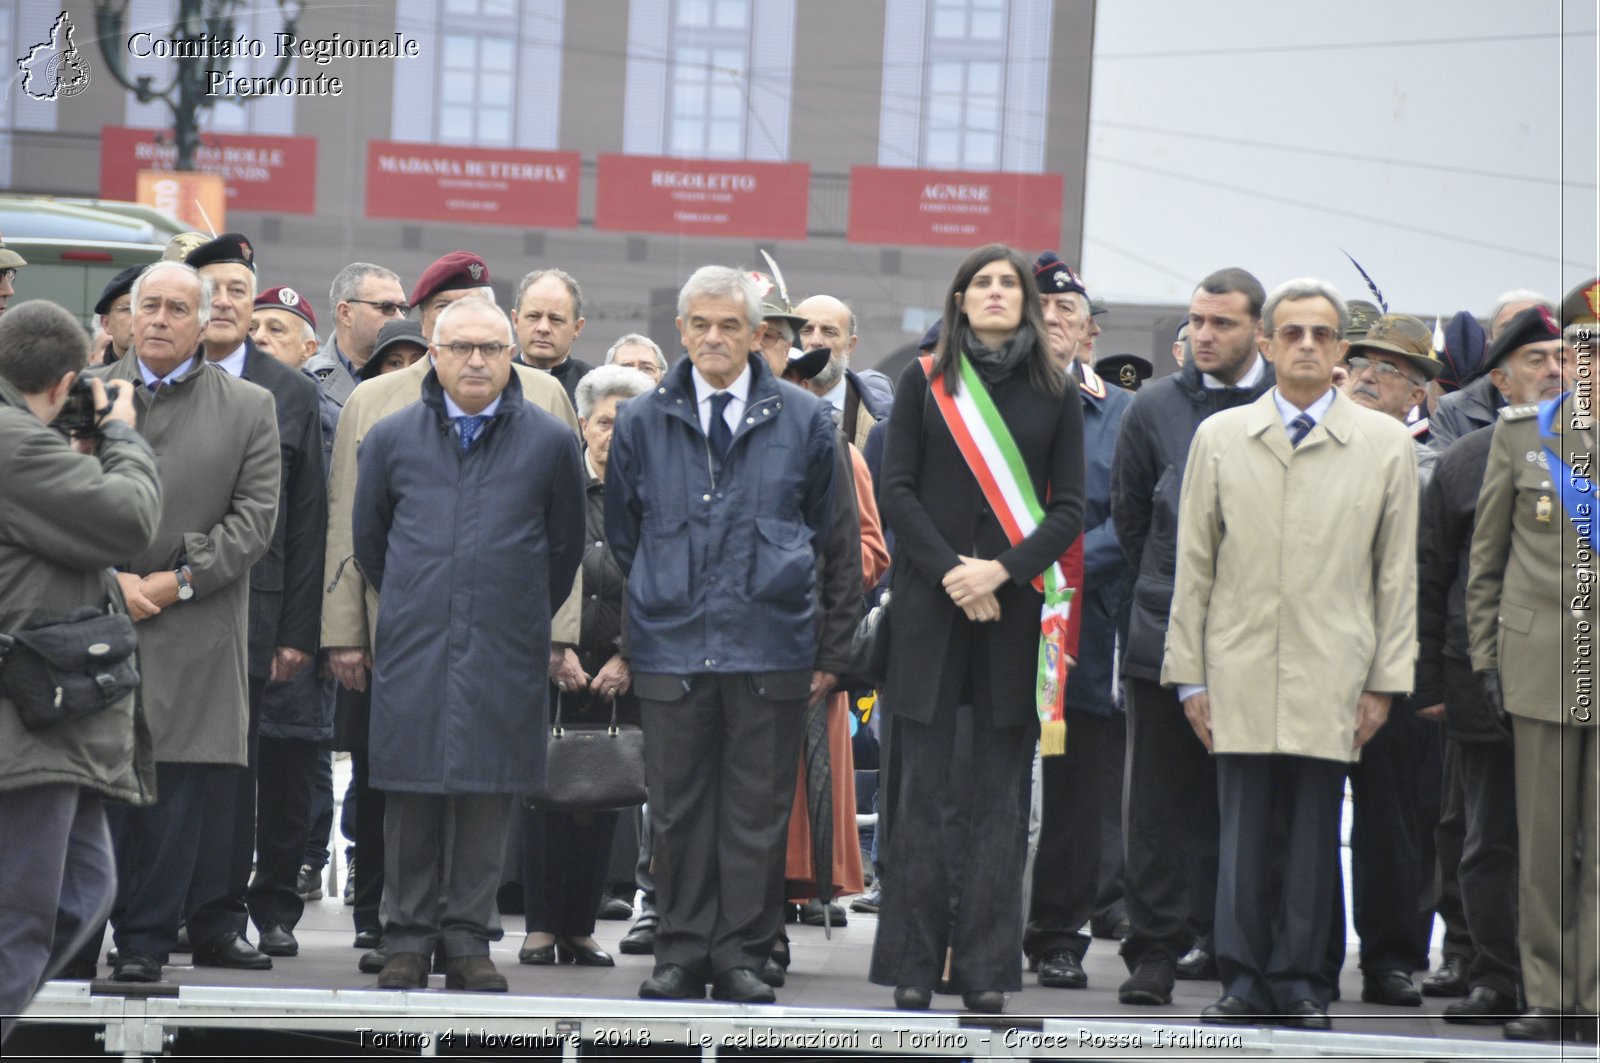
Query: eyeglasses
column 1322, row 335
column 463, row 350
column 1384, row 370
column 386, row 308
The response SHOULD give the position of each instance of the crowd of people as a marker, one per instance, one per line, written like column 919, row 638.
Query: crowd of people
column 1141, row 635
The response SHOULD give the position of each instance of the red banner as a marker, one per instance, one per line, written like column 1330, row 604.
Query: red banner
column 696, row 197
column 481, row 186
column 947, row 208
column 275, row 175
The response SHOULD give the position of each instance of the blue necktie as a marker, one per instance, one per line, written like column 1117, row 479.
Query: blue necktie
column 720, row 436
column 470, row 427
column 1299, row 428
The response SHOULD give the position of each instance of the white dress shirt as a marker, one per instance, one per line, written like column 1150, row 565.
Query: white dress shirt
column 1251, row 378
column 739, row 389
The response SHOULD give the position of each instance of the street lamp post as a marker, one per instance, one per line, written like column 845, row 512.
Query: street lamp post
column 185, row 94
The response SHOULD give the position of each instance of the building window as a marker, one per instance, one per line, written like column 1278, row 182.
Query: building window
column 965, row 90
column 710, row 79
column 476, row 99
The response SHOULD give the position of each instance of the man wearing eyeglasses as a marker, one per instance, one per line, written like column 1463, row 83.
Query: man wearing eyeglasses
column 1293, row 625
column 364, row 298
column 460, row 657
column 349, row 607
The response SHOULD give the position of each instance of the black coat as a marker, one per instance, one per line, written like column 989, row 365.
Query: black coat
column 600, row 626
column 569, row 373
column 1146, row 481
column 937, row 511
column 1464, row 411
column 1448, row 512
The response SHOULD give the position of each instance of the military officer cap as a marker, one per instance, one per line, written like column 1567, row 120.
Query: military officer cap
column 400, row 331
column 457, row 270
column 9, row 259
column 1053, row 276
column 1127, row 371
column 1582, row 304
column 1533, row 325
column 284, row 297
column 179, row 246
column 1403, row 335
column 118, row 286
column 1362, row 317
column 229, row 247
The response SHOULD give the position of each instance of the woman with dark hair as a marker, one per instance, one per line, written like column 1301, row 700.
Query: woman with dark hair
column 965, row 635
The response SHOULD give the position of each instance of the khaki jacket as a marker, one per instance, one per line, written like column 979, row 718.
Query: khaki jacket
column 1297, row 576
column 349, row 606
column 1531, row 583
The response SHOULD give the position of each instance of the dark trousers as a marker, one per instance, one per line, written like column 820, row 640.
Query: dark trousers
column 1449, row 840
column 1170, row 827
column 720, row 765
column 216, row 904
column 356, row 706
column 1108, row 906
column 1066, row 869
column 285, row 774
column 57, row 881
column 565, row 857
column 320, row 835
column 1272, row 930
column 1488, row 872
column 1385, row 861
column 446, row 854
column 956, row 854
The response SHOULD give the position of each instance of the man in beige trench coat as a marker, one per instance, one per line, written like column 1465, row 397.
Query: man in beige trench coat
column 1293, row 624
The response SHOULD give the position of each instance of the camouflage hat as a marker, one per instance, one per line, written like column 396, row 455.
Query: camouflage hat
column 1363, row 315
column 1582, row 303
column 1405, row 336
column 9, row 259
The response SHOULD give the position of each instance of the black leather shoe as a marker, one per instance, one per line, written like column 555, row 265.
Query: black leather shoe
column 79, row 971
column 1392, row 988
column 368, row 939
column 1535, row 1024
column 136, row 967
column 1150, row 984
column 614, row 908
column 372, row 961
column 1449, row 980
column 276, row 940
column 1483, row 1006
column 772, row 973
column 811, row 913
column 234, row 952
column 1230, row 1011
column 670, row 981
column 569, row 951
column 1060, row 969
column 640, row 941
column 742, row 986
column 1306, row 1015
column 1196, row 965
column 912, row 997
column 984, row 1002
column 544, row 956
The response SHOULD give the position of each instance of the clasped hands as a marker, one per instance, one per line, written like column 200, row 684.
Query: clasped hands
column 971, row 585
column 148, row 595
column 613, row 678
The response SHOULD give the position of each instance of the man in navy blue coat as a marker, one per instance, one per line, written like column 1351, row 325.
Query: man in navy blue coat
column 718, row 497
column 469, row 521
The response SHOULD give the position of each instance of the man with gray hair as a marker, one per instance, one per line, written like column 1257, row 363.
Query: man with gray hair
column 364, row 297
column 548, row 316
column 1287, row 643
column 719, row 494
column 638, row 351
column 1477, row 404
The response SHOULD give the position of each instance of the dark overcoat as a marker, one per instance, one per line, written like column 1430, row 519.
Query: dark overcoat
column 938, row 511
column 471, row 553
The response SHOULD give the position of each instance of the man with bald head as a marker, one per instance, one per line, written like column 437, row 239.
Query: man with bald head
column 831, row 323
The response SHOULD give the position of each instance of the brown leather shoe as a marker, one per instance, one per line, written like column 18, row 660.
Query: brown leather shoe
column 475, row 974
column 404, row 970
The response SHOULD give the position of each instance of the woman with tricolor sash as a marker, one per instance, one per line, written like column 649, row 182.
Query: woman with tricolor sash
column 983, row 487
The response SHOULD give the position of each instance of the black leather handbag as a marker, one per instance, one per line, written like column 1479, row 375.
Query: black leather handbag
column 69, row 668
column 869, row 649
column 591, row 767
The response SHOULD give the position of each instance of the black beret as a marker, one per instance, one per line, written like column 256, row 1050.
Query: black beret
column 1125, row 370
column 1053, row 276
column 1533, row 325
column 119, row 286
column 229, row 247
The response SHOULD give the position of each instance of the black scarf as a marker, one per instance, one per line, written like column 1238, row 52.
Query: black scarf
column 995, row 366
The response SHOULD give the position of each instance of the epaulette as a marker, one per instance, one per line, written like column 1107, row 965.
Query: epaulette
column 1519, row 413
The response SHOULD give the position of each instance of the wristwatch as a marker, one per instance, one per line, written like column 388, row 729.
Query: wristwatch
column 185, row 588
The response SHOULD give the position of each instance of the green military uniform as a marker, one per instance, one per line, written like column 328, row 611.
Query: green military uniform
column 1530, row 614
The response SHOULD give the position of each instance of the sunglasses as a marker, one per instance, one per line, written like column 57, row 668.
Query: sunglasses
column 386, row 308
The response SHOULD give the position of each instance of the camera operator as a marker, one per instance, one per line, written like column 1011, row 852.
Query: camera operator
column 68, row 516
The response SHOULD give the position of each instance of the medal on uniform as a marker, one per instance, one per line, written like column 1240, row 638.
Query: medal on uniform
column 1541, row 509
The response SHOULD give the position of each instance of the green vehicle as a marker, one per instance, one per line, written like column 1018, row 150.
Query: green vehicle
column 75, row 246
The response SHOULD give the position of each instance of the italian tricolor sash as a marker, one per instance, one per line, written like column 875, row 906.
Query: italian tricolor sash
column 985, row 442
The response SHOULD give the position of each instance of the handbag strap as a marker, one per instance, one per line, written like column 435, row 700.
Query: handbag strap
column 555, row 725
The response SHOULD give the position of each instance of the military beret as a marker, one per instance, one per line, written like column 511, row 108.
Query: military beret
column 1402, row 335
column 1125, row 370
column 807, row 364
column 458, row 269
column 401, row 330
column 9, row 259
column 1362, row 316
column 1462, row 356
column 284, row 297
column 930, row 339
column 1582, row 303
column 1533, row 325
column 229, row 247
column 118, row 286
column 1053, row 276
column 178, row 248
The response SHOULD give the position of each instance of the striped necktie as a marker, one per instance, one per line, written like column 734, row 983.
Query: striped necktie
column 1299, row 428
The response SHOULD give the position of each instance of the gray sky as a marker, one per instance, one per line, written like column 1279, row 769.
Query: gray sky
column 1449, row 145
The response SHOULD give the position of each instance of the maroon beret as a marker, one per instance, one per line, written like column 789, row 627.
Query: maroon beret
column 284, row 297
column 458, row 269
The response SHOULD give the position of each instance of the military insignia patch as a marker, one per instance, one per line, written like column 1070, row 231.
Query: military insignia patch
column 288, row 297
column 476, row 270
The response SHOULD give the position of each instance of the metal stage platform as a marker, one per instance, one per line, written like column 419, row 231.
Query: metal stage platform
column 319, row 1004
